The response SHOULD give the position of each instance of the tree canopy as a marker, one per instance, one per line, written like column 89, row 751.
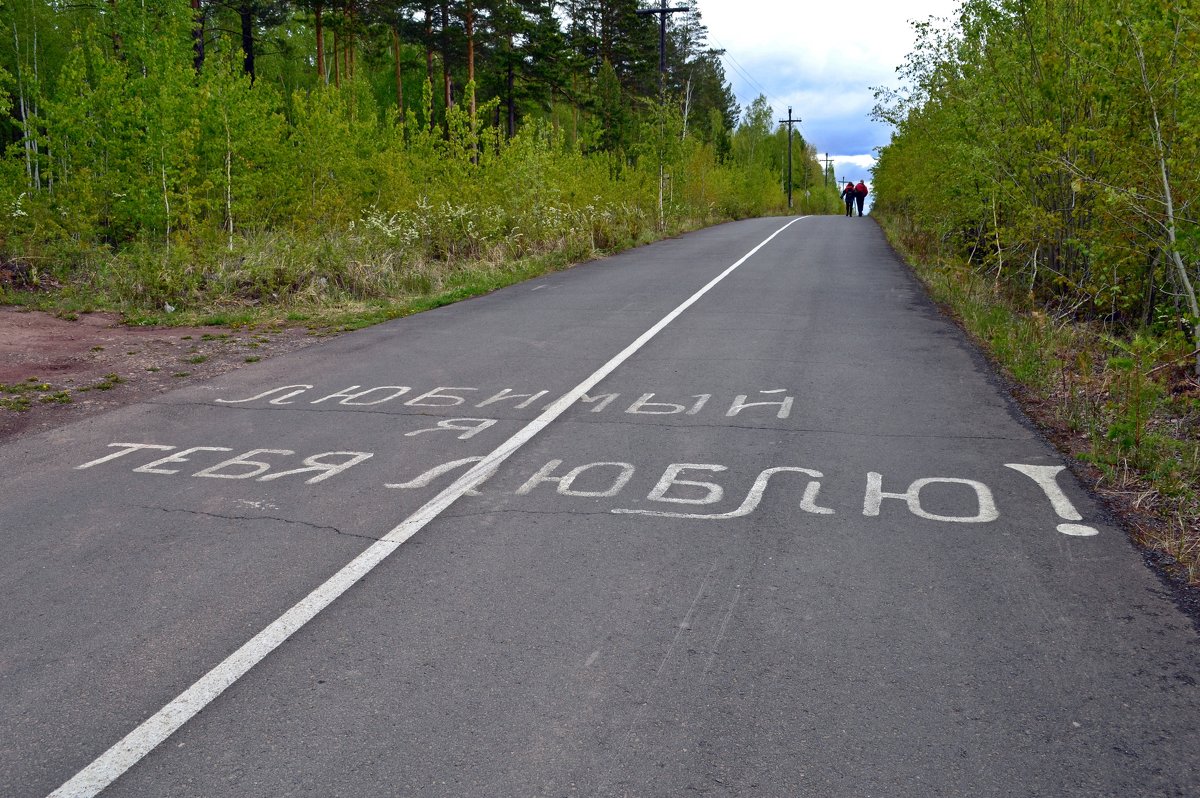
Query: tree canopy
column 1054, row 143
column 194, row 128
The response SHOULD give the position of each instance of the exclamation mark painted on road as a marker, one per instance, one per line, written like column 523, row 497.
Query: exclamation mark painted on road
column 1046, row 478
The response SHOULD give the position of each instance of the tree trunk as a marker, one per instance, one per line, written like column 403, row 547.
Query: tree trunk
column 337, row 59
column 445, row 7
column 687, row 107
column 469, row 24
column 25, row 138
column 322, row 77
column 228, row 179
column 510, row 86
column 37, row 82
column 246, row 12
column 166, row 194
column 197, row 36
column 427, row 7
column 350, row 40
column 399, row 82
column 1181, row 272
column 429, row 42
column 116, row 37
column 1150, row 292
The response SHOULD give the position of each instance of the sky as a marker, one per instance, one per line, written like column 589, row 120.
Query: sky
column 822, row 58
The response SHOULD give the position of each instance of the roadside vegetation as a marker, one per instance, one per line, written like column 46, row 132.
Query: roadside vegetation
column 23, row 395
column 341, row 163
column 1043, row 182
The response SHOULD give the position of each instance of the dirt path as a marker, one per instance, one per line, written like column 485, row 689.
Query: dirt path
column 54, row 370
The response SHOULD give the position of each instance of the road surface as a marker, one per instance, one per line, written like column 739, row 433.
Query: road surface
column 734, row 514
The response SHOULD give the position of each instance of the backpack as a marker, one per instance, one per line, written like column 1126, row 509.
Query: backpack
column 861, row 190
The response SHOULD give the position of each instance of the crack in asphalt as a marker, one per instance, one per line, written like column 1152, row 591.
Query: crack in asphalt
column 255, row 518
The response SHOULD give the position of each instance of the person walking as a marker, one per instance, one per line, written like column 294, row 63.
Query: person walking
column 860, row 195
column 848, row 196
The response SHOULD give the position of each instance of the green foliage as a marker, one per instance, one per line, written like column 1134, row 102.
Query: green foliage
column 1042, row 178
column 20, row 396
column 144, row 173
column 1051, row 145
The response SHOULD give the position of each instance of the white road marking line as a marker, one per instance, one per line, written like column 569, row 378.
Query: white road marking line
column 109, row 766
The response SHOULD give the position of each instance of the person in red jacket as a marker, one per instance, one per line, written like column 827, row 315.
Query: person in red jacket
column 848, row 196
column 860, row 195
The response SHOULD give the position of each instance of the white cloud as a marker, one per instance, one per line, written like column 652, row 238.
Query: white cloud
column 866, row 37
column 820, row 58
column 858, row 161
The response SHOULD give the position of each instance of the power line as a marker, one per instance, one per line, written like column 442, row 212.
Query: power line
column 752, row 83
column 737, row 66
column 741, row 70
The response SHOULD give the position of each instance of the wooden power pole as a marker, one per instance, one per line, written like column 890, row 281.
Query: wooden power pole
column 789, row 122
column 663, row 12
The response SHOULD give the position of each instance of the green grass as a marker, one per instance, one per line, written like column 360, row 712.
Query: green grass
column 227, row 318
column 20, row 396
column 332, row 280
column 109, row 382
column 15, row 403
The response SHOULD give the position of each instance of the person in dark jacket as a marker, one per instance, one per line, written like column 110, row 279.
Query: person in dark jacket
column 848, row 196
column 860, row 195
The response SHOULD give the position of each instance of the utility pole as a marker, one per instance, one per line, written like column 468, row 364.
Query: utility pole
column 827, row 161
column 662, row 11
column 789, row 121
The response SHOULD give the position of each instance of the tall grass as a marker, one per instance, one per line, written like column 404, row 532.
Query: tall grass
column 400, row 220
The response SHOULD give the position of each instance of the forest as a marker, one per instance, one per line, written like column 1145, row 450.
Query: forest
column 1054, row 145
column 1043, row 177
column 199, row 154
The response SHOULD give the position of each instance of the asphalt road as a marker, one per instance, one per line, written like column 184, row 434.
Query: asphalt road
column 780, row 548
